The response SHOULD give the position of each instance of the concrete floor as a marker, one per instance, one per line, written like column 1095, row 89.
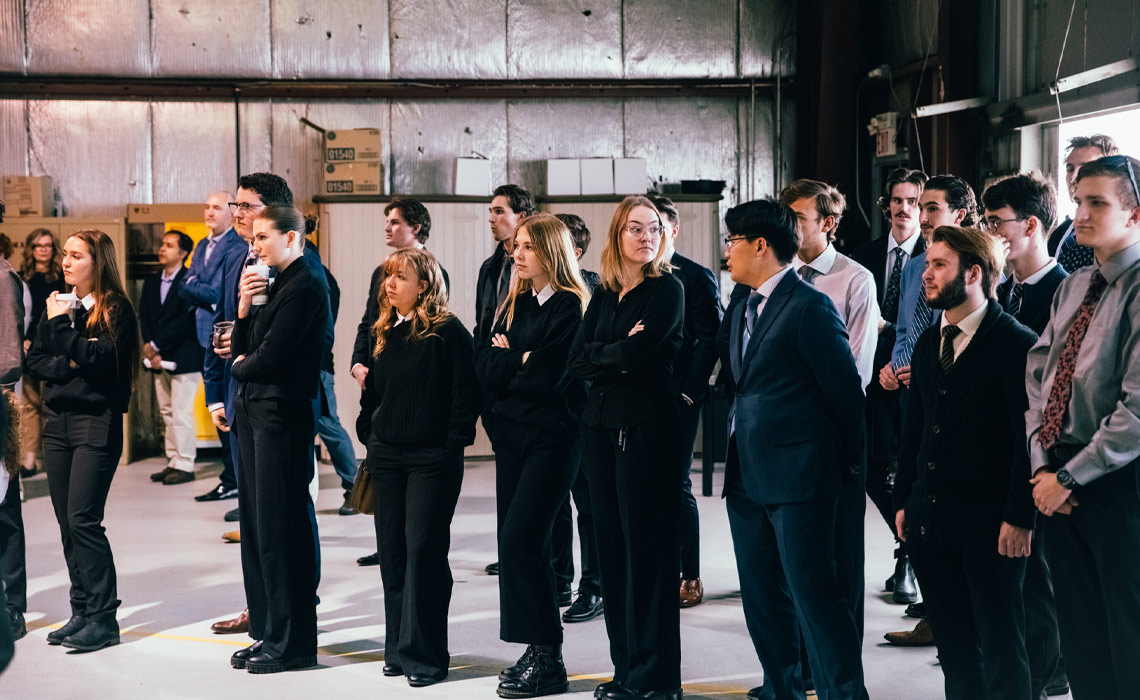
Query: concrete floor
column 176, row 576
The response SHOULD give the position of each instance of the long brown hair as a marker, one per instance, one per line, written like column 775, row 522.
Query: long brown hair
column 613, row 277
column 554, row 249
column 431, row 306
column 108, row 293
column 28, row 266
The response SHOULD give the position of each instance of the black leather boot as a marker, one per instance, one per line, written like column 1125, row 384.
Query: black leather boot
column 545, row 674
column 906, row 589
column 94, row 636
column 69, row 628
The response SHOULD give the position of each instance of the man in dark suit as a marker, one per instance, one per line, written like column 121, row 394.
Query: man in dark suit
column 202, row 287
column 963, row 505
column 1063, row 241
column 171, row 351
column 886, row 257
column 796, row 437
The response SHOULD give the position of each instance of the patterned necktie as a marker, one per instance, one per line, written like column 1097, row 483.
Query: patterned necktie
column 808, row 274
column 891, row 297
column 949, row 333
column 750, row 315
column 1013, row 304
column 923, row 317
column 1073, row 256
column 1062, row 390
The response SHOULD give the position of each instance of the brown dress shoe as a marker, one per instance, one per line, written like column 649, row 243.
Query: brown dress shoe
column 920, row 636
column 238, row 625
column 159, row 476
column 234, row 536
column 692, row 592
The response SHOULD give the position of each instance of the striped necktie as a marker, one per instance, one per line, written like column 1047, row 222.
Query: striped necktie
column 949, row 333
column 1013, row 304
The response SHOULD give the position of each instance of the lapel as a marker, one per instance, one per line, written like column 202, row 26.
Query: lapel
column 736, row 339
column 772, row 308
column 173, row 291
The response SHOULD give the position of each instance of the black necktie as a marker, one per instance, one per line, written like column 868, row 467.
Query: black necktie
column 1013, row 304
column 891, row 297
column 948, row 335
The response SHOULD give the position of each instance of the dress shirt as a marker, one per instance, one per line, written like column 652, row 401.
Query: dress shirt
column 88, row 301
column 400, row 318
column 1036, row 276
column 1104, row 409
column 894, row 249
column 968, row 327
column 851, row 287
column 543, row 294
column 164, row 284
column 768, row 287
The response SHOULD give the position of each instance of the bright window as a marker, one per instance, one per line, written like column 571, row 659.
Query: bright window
column 1121, row 125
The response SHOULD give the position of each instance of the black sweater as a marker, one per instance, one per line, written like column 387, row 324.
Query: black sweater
column 629, row 375
column 964, row 464
column 539, row 393
column 102, row 379
column 40, row 289
column 365, row 338
column 284, row 341
column 1036, row 299
column 422, row 393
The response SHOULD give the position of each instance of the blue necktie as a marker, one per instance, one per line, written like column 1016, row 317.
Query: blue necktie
column 1072, row 256
column 923, row 317
column 754, row 301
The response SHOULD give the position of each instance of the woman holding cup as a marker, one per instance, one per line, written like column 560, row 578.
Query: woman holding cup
column 277, row 360
column 86, row 351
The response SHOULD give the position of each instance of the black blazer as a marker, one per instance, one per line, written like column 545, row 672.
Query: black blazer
column 873, row 256
column 697, row 354
column 1058, row 233
column 365, row 338
column 283, row 342
column 1036, row 299
column 964, row 463
column 486, row 293
column 172, row 324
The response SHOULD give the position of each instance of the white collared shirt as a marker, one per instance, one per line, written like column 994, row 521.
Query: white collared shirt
column 1037, row 276
column 768, row 287
column 541, row 296
column 968, row 326
column 88, row 301
column 906, row 247
column 401, row 319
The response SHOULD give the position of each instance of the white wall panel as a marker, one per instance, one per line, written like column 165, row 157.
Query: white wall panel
column 427, row 137
column 542, row 129
column 14, row 136
column 564, row 39
column 211, row 38
column 193, row 150
column 347, row 39
column 464, row 39
column 100, row 37
column 695, row 39
column 13, row 48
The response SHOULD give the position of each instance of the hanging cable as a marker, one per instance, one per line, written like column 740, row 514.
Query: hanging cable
column 1060, row 59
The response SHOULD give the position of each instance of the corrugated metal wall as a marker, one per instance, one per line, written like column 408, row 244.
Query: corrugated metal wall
column 103, row 154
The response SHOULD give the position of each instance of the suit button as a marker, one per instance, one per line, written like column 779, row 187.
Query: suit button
column 941, row 392
column 922, row 530
column 930, row 466
column 936, row 430
column 932, row 499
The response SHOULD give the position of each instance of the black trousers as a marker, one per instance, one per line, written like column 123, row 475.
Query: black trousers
column 562, row 540
column 81, row 454
column 975, row 606
column 276, row 437
column 884, row 431
column 1042, row 639
column 690, row 417
column 416, row 489
column 1093, row 555
column 228, row 477
column 634, row 493
column 13, row 566
column 533, row 473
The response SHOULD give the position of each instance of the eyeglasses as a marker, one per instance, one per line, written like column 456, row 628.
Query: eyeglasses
column 729, row 240
column 245, row 207
column 992, row 225
column 637, row 230
column 1116, row 162
column 41, row 246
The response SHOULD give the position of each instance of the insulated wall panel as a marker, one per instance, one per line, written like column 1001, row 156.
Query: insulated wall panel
column 427, row 137
column 12, row 44
column 345, row 40
column 14, row 136
column 684, row 139
column 680, row 40
column 211, row 38
column 256, row 136
column 98, row 153
column 564, row 39
column 542, row 129
column 101, row 37
column 767, row 38
column 462, row 39
column 193, row 150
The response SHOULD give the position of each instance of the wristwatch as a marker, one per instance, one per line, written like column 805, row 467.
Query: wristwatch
column 1064, row 478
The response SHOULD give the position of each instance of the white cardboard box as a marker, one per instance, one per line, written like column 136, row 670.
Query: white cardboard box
column 473, row 177
column 28, row 195
column 563, row 176
column 631, row 176
column 597, row 175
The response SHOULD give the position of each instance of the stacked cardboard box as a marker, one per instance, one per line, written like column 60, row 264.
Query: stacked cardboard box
column 351, row 163
column 27, row 195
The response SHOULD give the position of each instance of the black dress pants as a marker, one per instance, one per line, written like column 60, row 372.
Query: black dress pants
column 81, row 454
column 1094, row 555
column 13, row 567
column 416, row 489
column 690, row 417
column 884, row 430
column 562, row 539
column 975, row 606
column 533, row 472
column 1042, row 640
column 634, row 492
column 276, row 437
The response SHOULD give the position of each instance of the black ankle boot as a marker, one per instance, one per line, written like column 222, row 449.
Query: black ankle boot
column 545, row 674
column 524, row 661
column 69, row 628
column 94, row 636
column 906, row 590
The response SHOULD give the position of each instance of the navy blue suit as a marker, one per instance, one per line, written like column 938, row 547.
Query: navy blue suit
column 798, row 440
column 202, row 286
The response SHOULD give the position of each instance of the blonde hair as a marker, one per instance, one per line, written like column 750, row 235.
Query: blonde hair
column 554, row 249
column 613, row 276
column 430, row 309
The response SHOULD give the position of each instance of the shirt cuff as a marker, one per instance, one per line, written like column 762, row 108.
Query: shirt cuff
column 153, row 346
column 1037, row 457
column 215, row 406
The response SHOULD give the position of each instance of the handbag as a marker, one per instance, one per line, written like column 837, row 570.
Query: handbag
column 361, row 497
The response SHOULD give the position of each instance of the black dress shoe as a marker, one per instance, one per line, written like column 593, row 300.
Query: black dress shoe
column 218, row 493
column 233, row 516
column 16, row 620
column 544, row 675
column 906, row 589
column 565, row 598
column 369, row 560
column 94, row 636
column 239, row 657
column 76, row 623
column 492, row 569
column 346, row 508
column 606, row 687
column 623, row 693
column 264, row 662
column 520, row 665
column 159, row 476
column 393, row 670
column 754, row 693
column 585, row 608
column 916, row 610
column 419, row 680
